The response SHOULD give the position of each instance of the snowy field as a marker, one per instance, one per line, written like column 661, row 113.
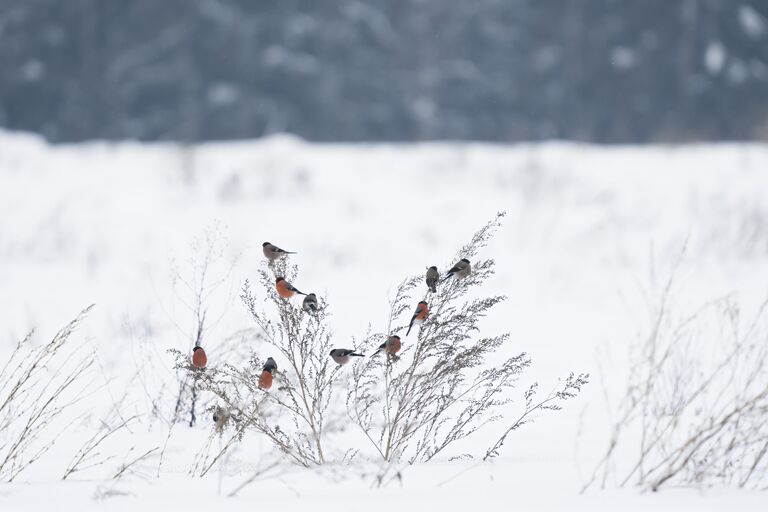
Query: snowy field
column 589, row 237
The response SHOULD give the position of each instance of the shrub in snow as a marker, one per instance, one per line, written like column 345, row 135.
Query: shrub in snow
column 293, row 413
column 695, row 407
column 447, row 382
column 440, row 389
column 38, row 388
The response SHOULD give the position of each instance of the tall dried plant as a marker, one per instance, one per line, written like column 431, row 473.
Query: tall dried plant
column 444, row 386
column 695, row 405
column 38, row 388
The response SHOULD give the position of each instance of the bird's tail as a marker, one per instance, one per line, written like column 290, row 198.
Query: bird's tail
column 433, row 289
column 409, row 329
column 356, row 354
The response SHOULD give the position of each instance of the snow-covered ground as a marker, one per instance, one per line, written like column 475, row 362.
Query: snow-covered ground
column 587, row 229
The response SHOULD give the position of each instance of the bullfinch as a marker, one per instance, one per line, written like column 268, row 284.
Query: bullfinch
column 422, row 311
column 285, row 289
column 310, row 303
column 265, row 380
column 221, row 417
column 342, row 355
column 199, row 359
column 391, row 346
column 432, row 277
column 461, row 269
column 273, row 252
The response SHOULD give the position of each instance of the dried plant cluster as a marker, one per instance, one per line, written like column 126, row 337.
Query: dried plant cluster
column 293, row 413
column 200, row 285
column 695, row 408
column 38, row 386
column 442, row 388
column 445, row 385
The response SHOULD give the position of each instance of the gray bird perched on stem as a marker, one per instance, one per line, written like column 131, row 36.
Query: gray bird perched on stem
column 343, row 355
column 273, row 252
column 433, row 276
column 310, row 303
column 462, row 269
column 221, row 417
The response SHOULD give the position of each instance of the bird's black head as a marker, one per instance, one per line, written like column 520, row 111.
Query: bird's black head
column 198, row 347
column 333, row 352
column 423, row 302
column 433, row 267
column 311, row 295
column 279, row 279
column 215, row 418
column 396, row 336
column 265, row 244
column 465, row 260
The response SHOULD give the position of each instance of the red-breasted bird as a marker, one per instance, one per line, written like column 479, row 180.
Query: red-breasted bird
column 265, row 380
column 199, row 359
column 462, row 269
column 285, row 289
column 342, row 355
column 273, row 252
column 391, row 346
column 310, row 303
column 433, row 276
column 421, row 314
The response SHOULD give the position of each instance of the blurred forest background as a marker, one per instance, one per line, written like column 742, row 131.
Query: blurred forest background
column 610, row 71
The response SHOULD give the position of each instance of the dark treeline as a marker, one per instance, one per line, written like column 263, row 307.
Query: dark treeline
column 400, row 70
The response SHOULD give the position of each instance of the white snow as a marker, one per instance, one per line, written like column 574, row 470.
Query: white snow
column 101, row 223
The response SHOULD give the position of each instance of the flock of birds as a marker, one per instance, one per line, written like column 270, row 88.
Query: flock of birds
column 341, row 356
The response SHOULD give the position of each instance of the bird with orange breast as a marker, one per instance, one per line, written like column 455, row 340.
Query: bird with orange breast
column 199, row 359
column 273, row 252
column 265, row 380
column 391, row 346
column 462, row 269
column 418, row 318
column 285, row 289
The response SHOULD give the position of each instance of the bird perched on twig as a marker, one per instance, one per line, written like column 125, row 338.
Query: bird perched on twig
column 285, row 289
column 265, row 380
column 199, row 359
column 221, row 417
column 462, row 269
column 418, row 318
column 273, row 252
column 433, row 276
column 391, row 346
column 310, row 303
column 342, row 355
